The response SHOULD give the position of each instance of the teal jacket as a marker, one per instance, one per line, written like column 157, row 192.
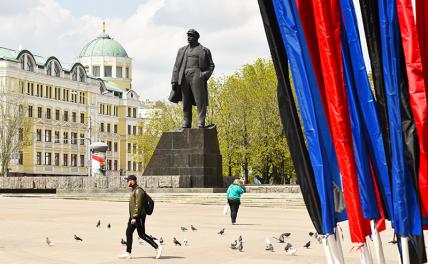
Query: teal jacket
column 234, row 192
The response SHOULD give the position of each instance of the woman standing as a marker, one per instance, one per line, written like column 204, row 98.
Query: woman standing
column 234, row 192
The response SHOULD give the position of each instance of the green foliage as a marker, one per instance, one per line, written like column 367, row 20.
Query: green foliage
column 244, row 108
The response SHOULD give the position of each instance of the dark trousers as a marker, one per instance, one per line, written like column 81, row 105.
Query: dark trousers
column 234, row 206
column 193, row 89
column 140, row 226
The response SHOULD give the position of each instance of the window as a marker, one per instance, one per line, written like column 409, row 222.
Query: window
column 48, row 113
column 115, row 146
column 21, row 134
column 57, row 69
column 129, row 112
column 134, row 166
column 81, row 75
column 57, row 93
column 49, row 70
column 56, row 159
column 74, row 117
column 129, row 147
column 65, row 137
column 39, row 158
column 30, row 111
column 73, row 138
column 48, row 135
column 108, row 128
column 134, row 148
column 96, row 71
column 115, row 128
column 127, row 73
column 102, row 127
column 56, row 136
column 118, row 72
column 109, row 165
column 57, row 114
column 82, row 139
column 134, row 130
column 65, row 160
column 115, row 165
column 129, row 130
column 48, row 158
column 73, row 160
column 65, row 115
column 74, row 75
column 38, row 134
column 21, row 158
column 107, row 71
column 134, row 114
column 82, row 97
column 129, row 165
column 109, row 145
column 82, row 160
column 39, row 112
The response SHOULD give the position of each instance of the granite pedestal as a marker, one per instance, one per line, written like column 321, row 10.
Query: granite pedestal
column 191, row 152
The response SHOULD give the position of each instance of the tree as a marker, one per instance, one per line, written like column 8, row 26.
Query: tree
column 15, row 129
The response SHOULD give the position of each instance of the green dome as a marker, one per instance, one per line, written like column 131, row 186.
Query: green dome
column 103, row 46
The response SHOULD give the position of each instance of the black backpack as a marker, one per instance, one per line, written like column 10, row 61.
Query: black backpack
column 148, row 204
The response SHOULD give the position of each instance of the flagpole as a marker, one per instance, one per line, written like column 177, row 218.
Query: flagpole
column 339, row 244
column 326, row 248
column 380, row 257
column 405, row 250
column 365, row 256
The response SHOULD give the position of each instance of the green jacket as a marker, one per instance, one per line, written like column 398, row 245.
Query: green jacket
column 136, row 202
column 235, row 191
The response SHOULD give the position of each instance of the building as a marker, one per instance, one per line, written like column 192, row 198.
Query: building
column 72, row 105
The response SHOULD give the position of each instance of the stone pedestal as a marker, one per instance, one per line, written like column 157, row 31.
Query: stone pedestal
column 192, row 152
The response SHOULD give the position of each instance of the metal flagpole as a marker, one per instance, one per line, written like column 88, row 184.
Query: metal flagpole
column 380, row 258
column 405, row 250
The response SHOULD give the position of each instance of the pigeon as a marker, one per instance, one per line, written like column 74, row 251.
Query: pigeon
column 50, row 243
column 98, row 223
column 234, row 244
column 269, row 246
column 183, row 229
column 285, row 235
column 289, row 249
column 77, row 238
column 308, row 244
column 280, row 239
column 161, row 241
column 193, row 228
column 123, row 242
column 311, row 234
column 108, row 226
column 221, row 232
column 240, row 246
column 185, row 242
column 176, row 242
column 240, row 238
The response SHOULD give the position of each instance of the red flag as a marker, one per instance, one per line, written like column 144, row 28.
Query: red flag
column 327, row 24
column 417, row 92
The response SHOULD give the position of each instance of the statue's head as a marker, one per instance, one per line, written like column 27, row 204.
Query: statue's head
column 192, row 36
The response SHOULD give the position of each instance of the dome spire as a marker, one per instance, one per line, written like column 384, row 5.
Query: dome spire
column 104, row 26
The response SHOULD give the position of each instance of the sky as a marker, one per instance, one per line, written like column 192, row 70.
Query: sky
column 151, row 31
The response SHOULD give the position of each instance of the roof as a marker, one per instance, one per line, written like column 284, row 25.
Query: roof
column 112, row 88
column 103, row 46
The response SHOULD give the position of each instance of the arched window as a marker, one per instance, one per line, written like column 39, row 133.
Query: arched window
column 49, row 69
column 30, row 64
column 82, row 75
column 74, row 75
column 57, row 69
column 27, row 63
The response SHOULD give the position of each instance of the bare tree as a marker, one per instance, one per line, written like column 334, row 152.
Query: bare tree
column 15, row 126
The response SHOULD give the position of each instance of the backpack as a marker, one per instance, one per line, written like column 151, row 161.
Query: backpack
column 148, row 204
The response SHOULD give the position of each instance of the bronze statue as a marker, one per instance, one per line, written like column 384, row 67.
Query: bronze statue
column 192, row 69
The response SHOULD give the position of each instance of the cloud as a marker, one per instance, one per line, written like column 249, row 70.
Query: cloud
column 232, row 30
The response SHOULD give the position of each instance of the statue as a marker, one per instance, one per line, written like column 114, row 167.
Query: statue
column 192, row 69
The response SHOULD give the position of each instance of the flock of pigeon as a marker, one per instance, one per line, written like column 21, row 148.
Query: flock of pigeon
column 238, row 244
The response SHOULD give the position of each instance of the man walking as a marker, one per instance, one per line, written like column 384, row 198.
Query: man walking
column 192, row 69
column 137, row 219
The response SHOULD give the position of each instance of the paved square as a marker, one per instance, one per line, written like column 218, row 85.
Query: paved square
column 26, row 222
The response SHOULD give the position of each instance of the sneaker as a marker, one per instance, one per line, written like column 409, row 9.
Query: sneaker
column 125, row 255
column 159, row 251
